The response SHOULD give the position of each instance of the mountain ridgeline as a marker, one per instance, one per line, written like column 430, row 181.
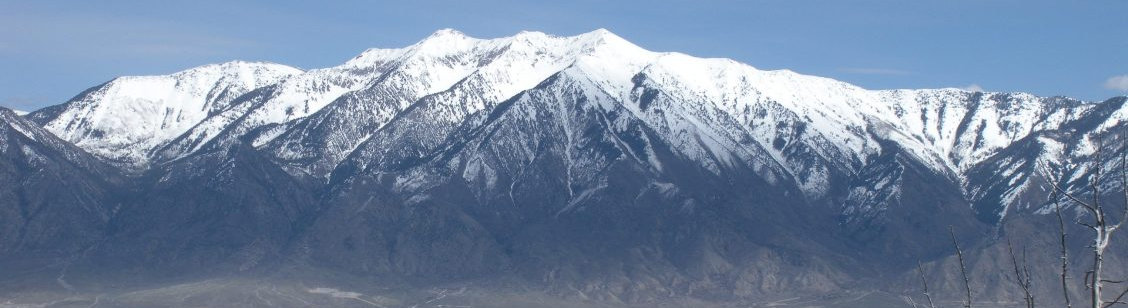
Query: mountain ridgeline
column 539, row 168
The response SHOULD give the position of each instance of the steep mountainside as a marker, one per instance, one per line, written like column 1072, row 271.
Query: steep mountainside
column 581, row 167
column 55, row 199
column 124, row 119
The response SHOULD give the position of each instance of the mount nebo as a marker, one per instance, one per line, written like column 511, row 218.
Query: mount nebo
column 539, row 168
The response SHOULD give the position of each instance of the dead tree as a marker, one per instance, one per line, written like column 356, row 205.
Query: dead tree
column 963, row 268
column 924, row 283
column 1064, row 251
column 1021, row 274
column 1103, row 228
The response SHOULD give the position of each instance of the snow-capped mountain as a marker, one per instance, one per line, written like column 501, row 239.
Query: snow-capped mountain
column 125, row 118
column 313, row 120
column 585, row 163
column 293, row 98
column 482, row 73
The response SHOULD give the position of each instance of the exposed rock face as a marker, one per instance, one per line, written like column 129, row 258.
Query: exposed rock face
column 55, row 199
column 584, row 167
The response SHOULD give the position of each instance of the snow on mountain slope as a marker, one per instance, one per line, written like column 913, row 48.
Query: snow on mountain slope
column 12, row 125
column 800, row 120
column 292, row 98
column 43, row 151
column 720, row 107
column 398, row 104
column 1012, row 179
column 122, row 120
column 481, row 73
column 967, row 127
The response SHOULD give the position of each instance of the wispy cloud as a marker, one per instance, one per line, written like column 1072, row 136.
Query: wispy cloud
column 973, row 88
column 874, row 71
column 1119, row 83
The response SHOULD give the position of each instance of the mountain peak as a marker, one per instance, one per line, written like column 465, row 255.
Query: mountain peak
column 444, row 41
column 446, row 32
column 444, row 36
column 239, row 68
column 529, row 36
column 602, row 33
column 123, row 119
column 602, row 39
column 256, row 64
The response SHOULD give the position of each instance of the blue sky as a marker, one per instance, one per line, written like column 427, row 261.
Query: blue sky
column 52, row 50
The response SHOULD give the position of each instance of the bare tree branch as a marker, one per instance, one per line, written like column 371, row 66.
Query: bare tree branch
column 1053, row 181
column 1021, row 274
column 963, row 268
column 924, row 282
column 1118, row 299
column 1064, row 251
column 1084, row 204
column 1101, row 228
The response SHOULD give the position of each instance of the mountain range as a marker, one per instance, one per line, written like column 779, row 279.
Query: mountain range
column 537, row 170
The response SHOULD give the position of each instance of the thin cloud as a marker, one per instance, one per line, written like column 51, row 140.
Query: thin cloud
column 1119, row 83
column 973, row 88
column 874, row 71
